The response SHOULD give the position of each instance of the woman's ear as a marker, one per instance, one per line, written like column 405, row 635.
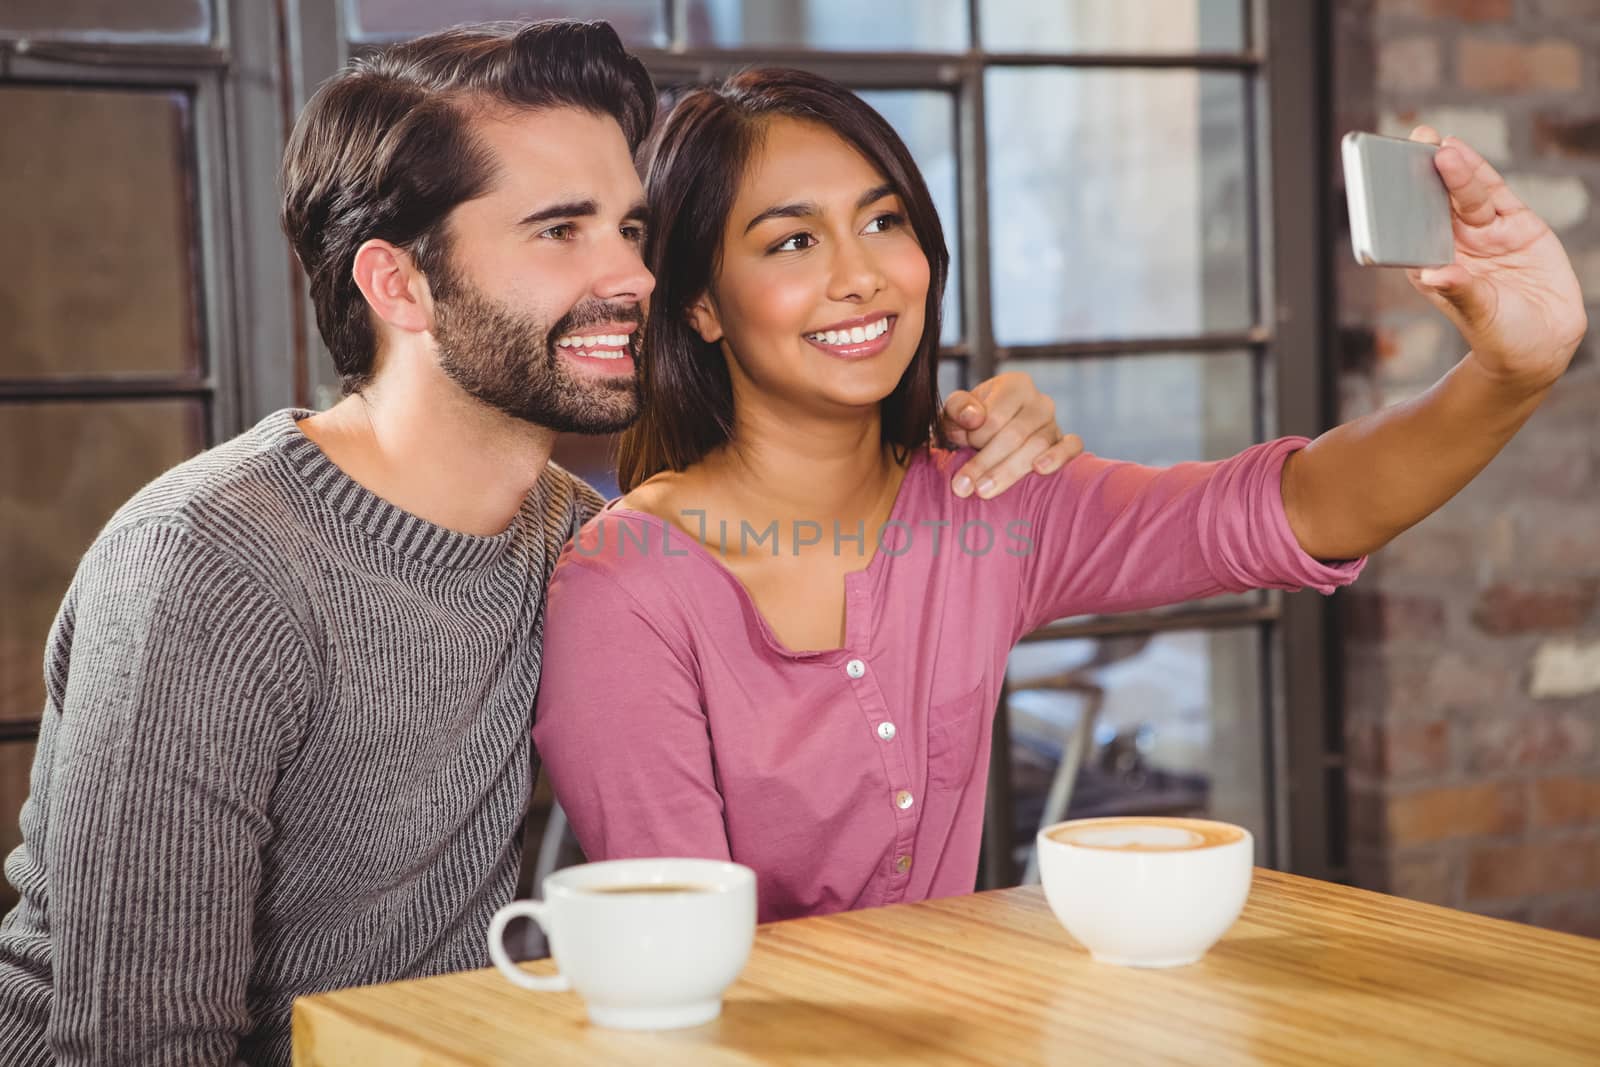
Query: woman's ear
column 703, row 317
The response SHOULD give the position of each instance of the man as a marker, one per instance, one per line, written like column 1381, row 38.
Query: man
column 286, row 747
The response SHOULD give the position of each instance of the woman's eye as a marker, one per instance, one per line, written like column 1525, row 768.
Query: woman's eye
column 797, row 243
column 886, row 222
column 561, row 232
column 633, row 233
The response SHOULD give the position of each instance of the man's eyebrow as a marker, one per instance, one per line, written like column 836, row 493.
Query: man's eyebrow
column 569, row 209
column 806, row 208
column 639, row 212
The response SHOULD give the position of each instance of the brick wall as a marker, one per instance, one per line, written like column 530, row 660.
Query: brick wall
column 1472, row 667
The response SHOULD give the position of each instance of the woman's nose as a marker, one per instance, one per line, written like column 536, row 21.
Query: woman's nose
column 856, row 275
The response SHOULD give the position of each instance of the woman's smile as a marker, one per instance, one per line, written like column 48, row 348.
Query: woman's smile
column 859, row 338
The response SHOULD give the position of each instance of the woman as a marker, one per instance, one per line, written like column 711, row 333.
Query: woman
column 785, row 644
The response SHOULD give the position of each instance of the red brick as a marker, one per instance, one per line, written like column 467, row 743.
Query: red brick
column 1408, row 64
column 1456, row 10
column 1558, row 537
column 1390, row 617
column 1424, row 684
column 1498, row 872
column 1483, row 678
column 1401, row 749
column 1507, row 66
column 1579, row 138
column 1430, row 550
column 1581, row 12
column 1431, row 877
column 1555, row 459
column 1573, row 915
column 1513, row 739
column 1493, row 809
column 1520, row 608
column 1569, row 800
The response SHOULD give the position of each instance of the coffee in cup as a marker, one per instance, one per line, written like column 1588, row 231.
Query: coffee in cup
column 1144, row 834
column 650, row 944
column 1146, row 891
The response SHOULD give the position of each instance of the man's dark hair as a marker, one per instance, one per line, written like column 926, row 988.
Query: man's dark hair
column 386, row 149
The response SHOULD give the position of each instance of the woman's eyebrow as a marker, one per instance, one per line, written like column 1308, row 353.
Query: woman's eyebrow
column 876, row 193
column 801, row 209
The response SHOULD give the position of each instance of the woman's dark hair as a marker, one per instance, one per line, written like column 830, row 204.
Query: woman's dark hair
column 385, row 149
column 693, row 165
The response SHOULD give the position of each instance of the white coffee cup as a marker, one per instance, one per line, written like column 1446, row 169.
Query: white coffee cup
column 1146, row 891
column 644, row 951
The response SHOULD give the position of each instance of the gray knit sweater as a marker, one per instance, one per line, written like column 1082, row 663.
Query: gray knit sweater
column 285, row 749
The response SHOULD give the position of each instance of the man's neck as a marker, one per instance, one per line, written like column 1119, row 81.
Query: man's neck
column 435, row 452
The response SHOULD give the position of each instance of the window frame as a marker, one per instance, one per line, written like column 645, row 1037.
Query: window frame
column 243, row 271
column 265, row 60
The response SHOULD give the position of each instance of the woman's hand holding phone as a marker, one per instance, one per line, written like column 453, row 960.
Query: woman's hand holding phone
column 1511, row 290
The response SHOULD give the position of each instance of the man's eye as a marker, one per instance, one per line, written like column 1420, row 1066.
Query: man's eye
column 561, row 232
column 634, row 233
column 797, row 243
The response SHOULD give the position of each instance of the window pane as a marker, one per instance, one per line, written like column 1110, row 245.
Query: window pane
column 1113, row 26
column 842, row 25
column 188, row 21
column 1175, row 726
column 926, row 121
column 1156, row 410
column 95, row 199
column 638, row 22
column 952, row 376
column 16, row 763
column 1118, row 203
column 64, row 469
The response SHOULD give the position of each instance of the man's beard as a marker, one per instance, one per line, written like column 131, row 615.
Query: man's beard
column 510, row 362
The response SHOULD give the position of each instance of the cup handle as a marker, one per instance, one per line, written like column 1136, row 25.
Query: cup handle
column 539, row 913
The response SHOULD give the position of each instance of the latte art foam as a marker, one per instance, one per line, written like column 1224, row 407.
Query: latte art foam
column 1132, row 834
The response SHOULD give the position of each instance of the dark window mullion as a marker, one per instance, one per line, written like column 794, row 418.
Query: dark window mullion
column 1228, row 618
column 675, row 16
column 1304, row 704
column 203, row 166
column 19, row 57
column 973, row 196
column 905, row 71
column 1138, row 346
column 101, row 388
column 819, row 59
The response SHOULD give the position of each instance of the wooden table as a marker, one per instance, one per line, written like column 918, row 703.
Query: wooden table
column 1312, row 973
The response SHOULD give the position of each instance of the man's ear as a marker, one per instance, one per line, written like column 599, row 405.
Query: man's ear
column 395, row 289
column 705, row 320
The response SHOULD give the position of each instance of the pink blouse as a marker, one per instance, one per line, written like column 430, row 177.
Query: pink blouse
column 673, row 722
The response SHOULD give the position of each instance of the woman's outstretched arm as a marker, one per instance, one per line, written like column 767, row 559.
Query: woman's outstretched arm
column 1514, row 297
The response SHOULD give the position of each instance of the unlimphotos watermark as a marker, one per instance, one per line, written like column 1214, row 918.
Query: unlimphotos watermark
column 896, row 537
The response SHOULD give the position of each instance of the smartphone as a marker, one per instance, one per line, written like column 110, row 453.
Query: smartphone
column 1399, row 207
